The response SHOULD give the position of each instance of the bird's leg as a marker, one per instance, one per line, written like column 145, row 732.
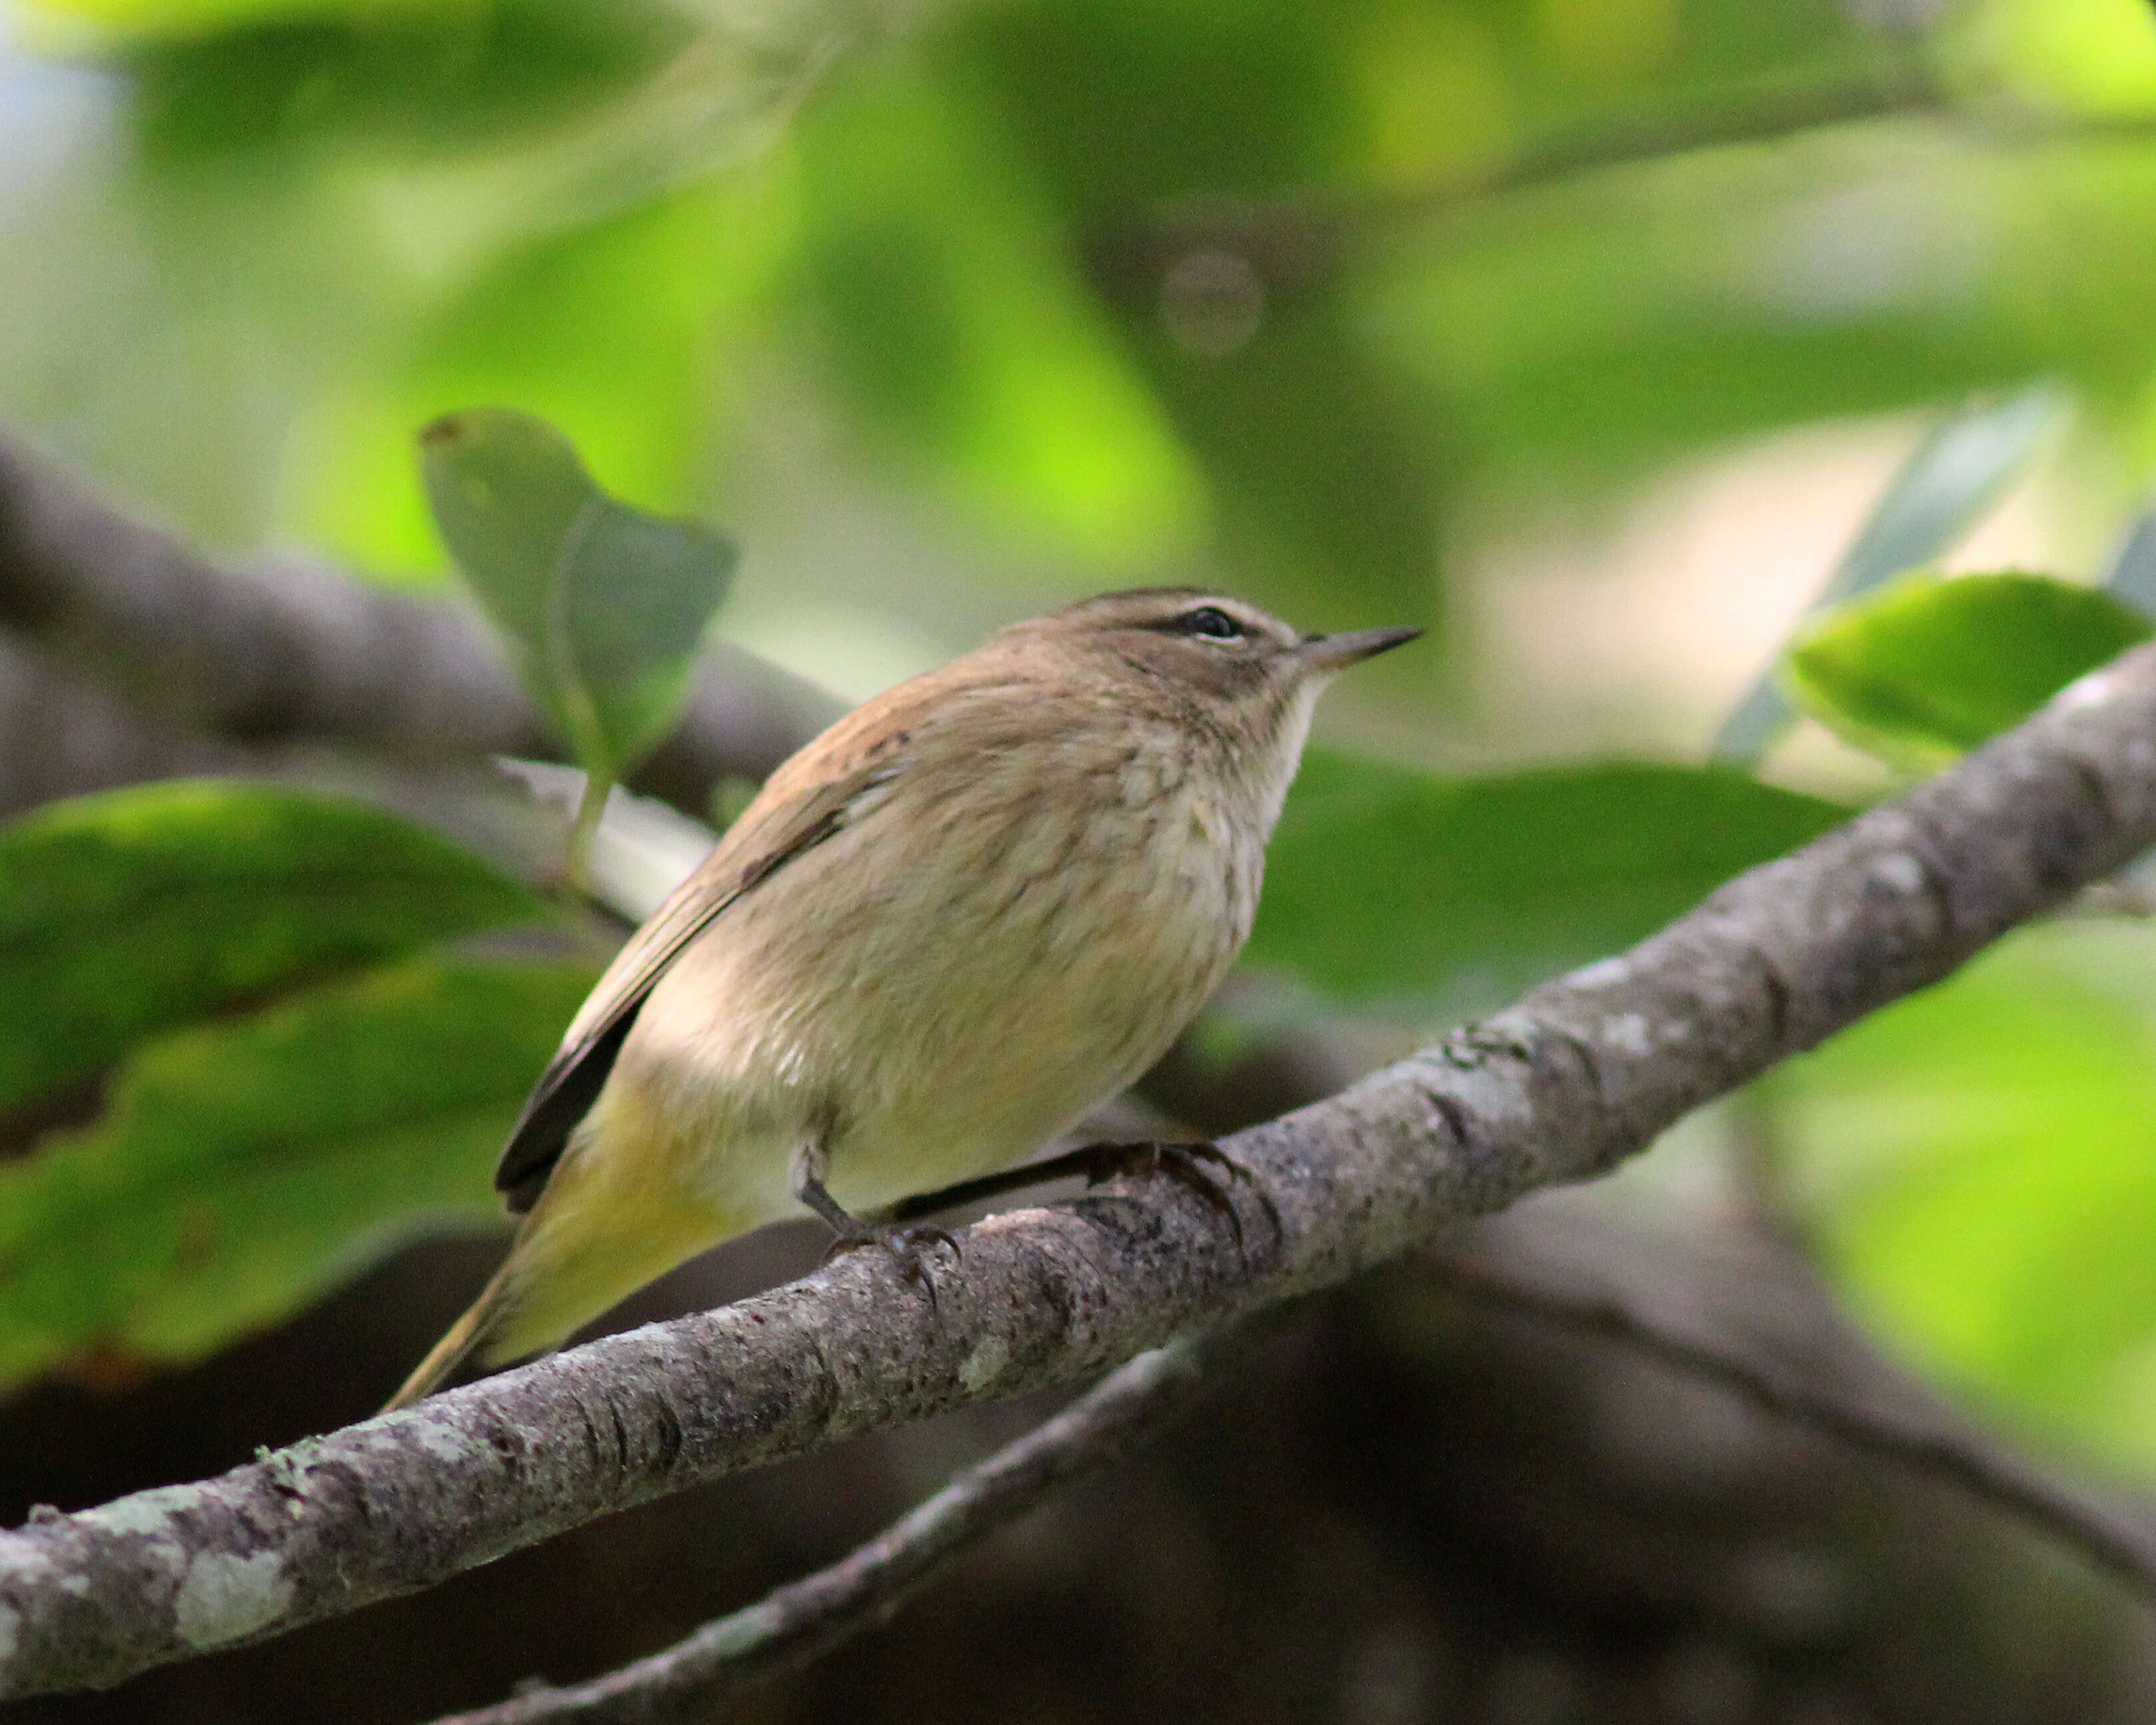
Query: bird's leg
column 985, row 1186
column 1193, row 1165
column 848, row 1233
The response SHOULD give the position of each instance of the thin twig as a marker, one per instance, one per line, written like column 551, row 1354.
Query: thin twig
column 2117, row 1547
column 1759, row 1169
column 802, row 1621
column 2114, row 898
column 1296, row 241
column 1293, row 240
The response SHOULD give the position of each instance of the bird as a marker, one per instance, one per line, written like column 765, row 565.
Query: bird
column 966, row 915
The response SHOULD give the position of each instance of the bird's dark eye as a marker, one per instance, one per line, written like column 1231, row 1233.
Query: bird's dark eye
column 1211, row 621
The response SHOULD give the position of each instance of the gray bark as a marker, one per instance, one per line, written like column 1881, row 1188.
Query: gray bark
column 805, row 1620
column 1579, row 1074
column 63, row 734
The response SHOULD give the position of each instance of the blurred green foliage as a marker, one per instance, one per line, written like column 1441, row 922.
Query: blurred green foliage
column 1010, row 301
column 966, row 240
column 1978, row 1164
column 1466, row 892
column 239, row 1169
column 137, row 911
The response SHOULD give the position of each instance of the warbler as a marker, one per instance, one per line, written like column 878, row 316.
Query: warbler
column 967, row 913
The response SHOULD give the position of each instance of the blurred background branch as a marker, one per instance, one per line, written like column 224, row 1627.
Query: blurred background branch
column 1289, row 245
column 804, row 1620
column 2113, row 1543
column 205, row 667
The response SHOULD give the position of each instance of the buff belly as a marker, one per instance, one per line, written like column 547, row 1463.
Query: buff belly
column 916, row 1040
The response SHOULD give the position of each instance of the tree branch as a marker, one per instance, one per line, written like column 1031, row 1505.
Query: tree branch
column 1582, row 1072
column 802, row 1621
column 312, row 654
column 1292, row 242
column 62, row 734
column 2114, row 1545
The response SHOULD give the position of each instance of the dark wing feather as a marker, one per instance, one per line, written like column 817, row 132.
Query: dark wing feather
column 757, row 846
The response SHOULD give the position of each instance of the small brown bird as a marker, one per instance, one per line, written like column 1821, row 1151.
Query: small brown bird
column 967, row 913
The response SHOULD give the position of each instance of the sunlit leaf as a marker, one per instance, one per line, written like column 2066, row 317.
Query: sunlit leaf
column 1931, row 666
column 146, row 18
column 1978, row 1164
column 135, row 911
column 603, row 606
column 241, row 1167
column 2076, row 56
column 1391, row 887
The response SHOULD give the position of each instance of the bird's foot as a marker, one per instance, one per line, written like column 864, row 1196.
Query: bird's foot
column 910, row 1246
column 1202, row 1169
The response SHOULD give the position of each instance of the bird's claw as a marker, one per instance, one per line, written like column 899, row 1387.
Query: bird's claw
column 908, row 1245
column 1202, row 1168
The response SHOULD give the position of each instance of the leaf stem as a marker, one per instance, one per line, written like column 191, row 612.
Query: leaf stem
column 576, row 858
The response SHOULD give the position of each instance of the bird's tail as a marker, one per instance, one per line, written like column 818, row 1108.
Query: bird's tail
column 470, row 1334
column 609, row 1219
column 569, row 1264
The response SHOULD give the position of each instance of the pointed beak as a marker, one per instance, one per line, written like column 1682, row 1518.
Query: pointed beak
column 1333, row 652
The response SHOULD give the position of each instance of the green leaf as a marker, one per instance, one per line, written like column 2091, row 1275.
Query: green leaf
column 1950, row 482
column 1390, row 885
column 603, row 606
column 1931, row 666
column 1975, row 1164
column 136, row 911
column 242, row 1168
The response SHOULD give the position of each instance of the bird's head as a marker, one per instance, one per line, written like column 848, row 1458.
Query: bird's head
column 1220, row 660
